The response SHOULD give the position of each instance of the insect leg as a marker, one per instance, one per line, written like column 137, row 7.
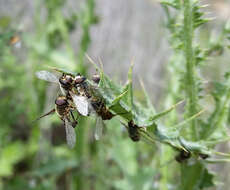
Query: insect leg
column 50, row 112
column 74, row 123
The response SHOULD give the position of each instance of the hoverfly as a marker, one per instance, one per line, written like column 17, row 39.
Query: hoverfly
column 102, row 112
column 64, row 111
column 68, row 83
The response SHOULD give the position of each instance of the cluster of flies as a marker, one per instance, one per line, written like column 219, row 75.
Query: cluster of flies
column 78, row 95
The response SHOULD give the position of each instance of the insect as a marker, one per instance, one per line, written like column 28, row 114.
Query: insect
column 96, row 78
column 71, row 86
column 64, row 112
column 102, row 113
column 133, row 131
column 77, row 89
column 182, row 156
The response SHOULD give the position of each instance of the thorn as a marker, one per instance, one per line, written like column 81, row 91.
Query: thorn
column 92, row 62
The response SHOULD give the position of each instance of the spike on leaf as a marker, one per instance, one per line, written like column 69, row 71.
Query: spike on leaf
column 148, row 100
column 130, row 79
column 180, row 125
column 92, row 62
column 161, row 114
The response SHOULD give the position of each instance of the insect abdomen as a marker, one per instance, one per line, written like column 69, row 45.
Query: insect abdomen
column 133, row 131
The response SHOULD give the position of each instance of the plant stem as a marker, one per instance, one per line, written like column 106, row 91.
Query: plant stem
column 191, row 90
column 219, row 118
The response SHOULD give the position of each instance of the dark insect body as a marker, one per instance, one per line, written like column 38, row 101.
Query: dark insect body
column 64, row 112
column 62, row 107
column 100, row 108
column 183, row 156
column 66, row 81
column 203, row 156
column 82, row 86
column 133, row 131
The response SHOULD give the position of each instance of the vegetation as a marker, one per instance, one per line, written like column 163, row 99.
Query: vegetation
column 177, row 145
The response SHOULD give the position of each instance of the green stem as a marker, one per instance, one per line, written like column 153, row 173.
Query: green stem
column 87, row 20
column 219, row 117
column 191, row 90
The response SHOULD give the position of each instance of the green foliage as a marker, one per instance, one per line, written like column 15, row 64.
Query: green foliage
column 189, row 56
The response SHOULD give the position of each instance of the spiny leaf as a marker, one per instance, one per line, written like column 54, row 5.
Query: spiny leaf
column 130, row 84
column 118, row 98
column 215, row 161
column 92, row 62
column 147, row 98
column 161, row 114
column 180, row 125
column 197, row 146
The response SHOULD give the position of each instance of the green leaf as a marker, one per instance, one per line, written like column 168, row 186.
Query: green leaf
column 207, row 179
column 161, row 114
column 196, row 177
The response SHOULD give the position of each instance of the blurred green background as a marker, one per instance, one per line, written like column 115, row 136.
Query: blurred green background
column 59, row 33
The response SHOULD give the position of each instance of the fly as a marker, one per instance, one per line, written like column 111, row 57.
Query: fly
column 64, row 112
column 133, row 131
column 183, row 156
column 68, row 83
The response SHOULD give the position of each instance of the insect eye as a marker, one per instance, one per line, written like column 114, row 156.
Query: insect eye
column 68, row 79
column 79, row 80
column 60, row 101
column 62, row 80
column 65, row 80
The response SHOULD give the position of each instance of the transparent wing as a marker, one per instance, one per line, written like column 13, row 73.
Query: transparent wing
column 99, row 128
column 81, row 103
column 70, row 133
column 47, row 76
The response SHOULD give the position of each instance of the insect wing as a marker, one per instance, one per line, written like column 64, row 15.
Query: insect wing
column 99, row 128
column 60, row 70
column 70, row 133
column 47, row 76
column 81, row 103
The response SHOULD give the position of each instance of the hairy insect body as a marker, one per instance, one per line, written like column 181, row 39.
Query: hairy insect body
column 62, row 107
column 82, row 86
column 66, row 82
column 100, row 108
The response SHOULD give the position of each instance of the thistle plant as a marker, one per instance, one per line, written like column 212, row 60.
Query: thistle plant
column 185, row 68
